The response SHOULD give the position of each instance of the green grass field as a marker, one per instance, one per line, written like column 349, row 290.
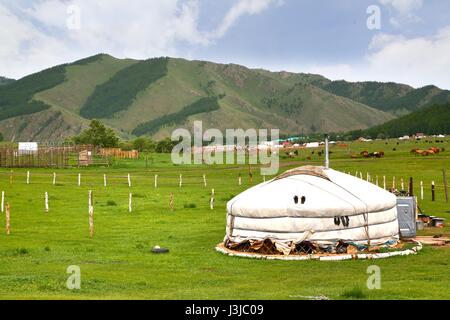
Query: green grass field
column 117, row 262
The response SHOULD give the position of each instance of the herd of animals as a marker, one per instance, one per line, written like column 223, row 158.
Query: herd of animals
column 376, row 154
column 430, row 151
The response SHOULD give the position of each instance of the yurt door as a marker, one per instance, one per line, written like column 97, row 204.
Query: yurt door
column 406, row 216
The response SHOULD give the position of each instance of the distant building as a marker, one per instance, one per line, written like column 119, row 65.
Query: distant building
column 420, row 135
column 312, row 145
column 28, row 148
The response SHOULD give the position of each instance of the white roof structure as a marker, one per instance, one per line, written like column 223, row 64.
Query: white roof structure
column 313, row 204
column 28, row 147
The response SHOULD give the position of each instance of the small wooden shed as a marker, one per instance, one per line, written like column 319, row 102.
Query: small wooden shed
column 84, row 158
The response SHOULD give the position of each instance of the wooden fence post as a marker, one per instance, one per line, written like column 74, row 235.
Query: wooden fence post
column 402, row 184
column 8, row 219
column 211, row 202
column 171, row 202
column 91, row 214
column 54, row 178
column 411, row 187
column 445, row 184
column 11, row 178
column 181, row 180
column 433, row 195
column 239, row 180
column 204, row 180
column 393, row 183
column 156, row 181
column 384, row 182
column 129, row 180
column 28, row 177
column 79, row 179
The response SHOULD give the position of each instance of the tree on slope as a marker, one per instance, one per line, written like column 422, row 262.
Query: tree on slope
column 98, row 135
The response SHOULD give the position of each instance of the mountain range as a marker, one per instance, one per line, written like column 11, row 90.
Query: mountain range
column 153, row 97
column 4, row 81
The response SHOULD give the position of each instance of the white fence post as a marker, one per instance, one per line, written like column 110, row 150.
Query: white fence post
column 421, row 190
column 3, row 202
column 130, row 203
column 46, row 202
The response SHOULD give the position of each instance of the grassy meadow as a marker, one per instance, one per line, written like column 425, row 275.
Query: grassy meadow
column 118, row 264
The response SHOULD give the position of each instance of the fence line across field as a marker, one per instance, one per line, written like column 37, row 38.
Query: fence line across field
column 158, row 180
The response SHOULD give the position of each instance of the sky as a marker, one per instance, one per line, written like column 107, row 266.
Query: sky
column 405, row 41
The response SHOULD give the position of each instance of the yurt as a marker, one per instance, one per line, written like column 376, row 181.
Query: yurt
column 311, row 209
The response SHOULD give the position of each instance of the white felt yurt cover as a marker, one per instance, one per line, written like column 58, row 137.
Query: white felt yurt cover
column 314, row 204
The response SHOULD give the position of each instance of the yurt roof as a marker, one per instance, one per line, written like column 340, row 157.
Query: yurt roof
column 326, row 193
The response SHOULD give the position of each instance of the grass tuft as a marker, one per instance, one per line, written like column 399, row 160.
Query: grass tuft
column 355, row 293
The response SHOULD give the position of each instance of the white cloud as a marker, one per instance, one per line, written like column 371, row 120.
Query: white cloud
column 416, row 61
column 404, row 7
column 36, row 36
column 404, row 10
column 241, row 8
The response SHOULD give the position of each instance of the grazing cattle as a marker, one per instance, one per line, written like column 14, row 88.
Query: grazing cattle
column 435, row 150
column 430, row 151
column 365, row 154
